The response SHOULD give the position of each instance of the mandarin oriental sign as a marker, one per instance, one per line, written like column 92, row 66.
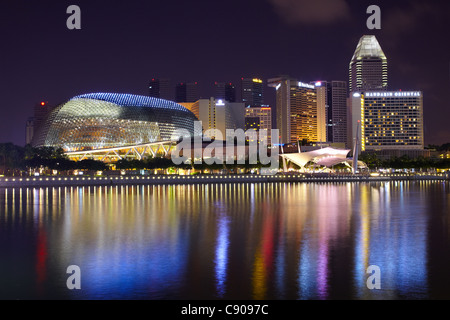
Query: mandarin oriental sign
column 393, row 94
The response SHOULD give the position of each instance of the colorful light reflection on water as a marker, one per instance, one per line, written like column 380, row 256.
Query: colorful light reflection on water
column 231, row 241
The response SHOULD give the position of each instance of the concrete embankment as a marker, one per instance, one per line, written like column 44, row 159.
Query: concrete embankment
column 62, row 181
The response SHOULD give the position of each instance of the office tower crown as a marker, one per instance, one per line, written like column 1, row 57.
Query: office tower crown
column 368, row 46
column 368, row 66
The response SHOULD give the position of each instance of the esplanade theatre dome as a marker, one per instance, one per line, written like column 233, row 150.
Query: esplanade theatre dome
column 109, row 120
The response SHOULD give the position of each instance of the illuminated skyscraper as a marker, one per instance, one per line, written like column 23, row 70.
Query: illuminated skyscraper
column 259, row 118
column 304, row 113
column 252, row 92
column 335, row 108
column 368, row 66
column 296, row 104
column 283, row 86
column 338, row 112
column 321, row 89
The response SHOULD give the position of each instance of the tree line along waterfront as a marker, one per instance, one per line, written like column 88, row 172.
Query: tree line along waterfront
column 25, row 161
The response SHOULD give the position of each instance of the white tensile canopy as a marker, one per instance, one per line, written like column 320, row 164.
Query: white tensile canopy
column 327, row 157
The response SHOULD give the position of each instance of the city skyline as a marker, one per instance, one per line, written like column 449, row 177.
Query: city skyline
column 38, row 67
column 211, row 152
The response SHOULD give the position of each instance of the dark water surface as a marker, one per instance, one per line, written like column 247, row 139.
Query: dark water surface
column 227, row 241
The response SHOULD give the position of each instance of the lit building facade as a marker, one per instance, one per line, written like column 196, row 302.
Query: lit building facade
column 252, row 92
column 368, row 66
column 337, row 112
column 283, row 86
column 109, row 120
column 218, row 114
column 388, row 120
column 304, row 113
column 296, row 104
column 321, row 91
column 259, row 118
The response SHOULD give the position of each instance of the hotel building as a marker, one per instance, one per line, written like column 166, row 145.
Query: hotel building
column 389, row 120
column 296, row 104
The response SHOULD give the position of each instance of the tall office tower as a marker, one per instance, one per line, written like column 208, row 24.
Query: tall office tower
column 187, row 92
column 218, row 114
column 324, row 89
column 321, row 91
column 304, row 113
column 180, row 92
column 368, row 67
column 389, row 119
column 252, row 92
column 259, row 118
column 40, row 113
column 41, row 110
column 296, row 104
column 336, row 109
column 225, row 91
column 160, row 88
column 283, row 86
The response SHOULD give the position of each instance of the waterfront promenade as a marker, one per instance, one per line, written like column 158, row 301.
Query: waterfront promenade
column 62, row 181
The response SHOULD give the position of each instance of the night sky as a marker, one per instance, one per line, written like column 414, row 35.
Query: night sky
column 123, row 44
